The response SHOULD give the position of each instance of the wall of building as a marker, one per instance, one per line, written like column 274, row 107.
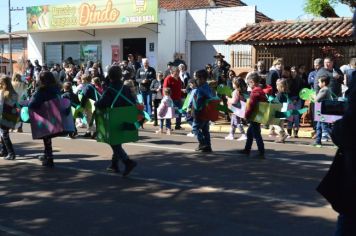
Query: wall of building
column 108, row 37
column 178, row 30
column 171, row 36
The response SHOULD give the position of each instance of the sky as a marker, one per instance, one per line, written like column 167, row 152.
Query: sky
column 276, row 9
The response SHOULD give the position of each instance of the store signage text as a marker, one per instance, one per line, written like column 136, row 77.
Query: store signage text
column 88, row 14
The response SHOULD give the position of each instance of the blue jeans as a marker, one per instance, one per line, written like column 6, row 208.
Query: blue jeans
column 119, row 153
column 321, row 128
column 345, row 226
column 178, row 104
column 254, row 131
column 201, row 130
column 147, row 101
column 168, row 123
column 296, row 118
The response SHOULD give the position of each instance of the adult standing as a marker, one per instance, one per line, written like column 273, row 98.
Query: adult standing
column 175, row 84
column 295, row 84
column 144, row 76
column 220, row 58
column 261, row 69
column 167, row 72
column 274, row 74
column 133, row 64
column 336, row 79
column 318, row 64
column 183, row 75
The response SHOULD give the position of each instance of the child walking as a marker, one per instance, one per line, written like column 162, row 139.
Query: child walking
column 8, row 98
column 254, row 130
column 163, row 110
column 281, row 97
column 200, row 125
column 240, row 89
column 48, row 89
column 323, row 95
column 115, row 75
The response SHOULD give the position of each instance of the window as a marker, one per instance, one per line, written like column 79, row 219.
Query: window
column 81, row 52
column 17, row 45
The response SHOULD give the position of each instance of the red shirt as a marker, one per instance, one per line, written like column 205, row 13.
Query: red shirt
column 257, row 95
column 175, row 85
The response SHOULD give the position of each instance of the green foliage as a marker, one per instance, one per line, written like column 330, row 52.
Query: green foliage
column 325, row 8
column 317, row 7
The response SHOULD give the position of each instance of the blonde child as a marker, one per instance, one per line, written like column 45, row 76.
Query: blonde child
column 166, row 103
column 240, row 88
column 281, row 97
column 8, row 97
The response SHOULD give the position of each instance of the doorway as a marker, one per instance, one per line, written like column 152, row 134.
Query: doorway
column 135, row 46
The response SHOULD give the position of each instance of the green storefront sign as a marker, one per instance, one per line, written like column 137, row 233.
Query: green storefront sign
column 92, row 14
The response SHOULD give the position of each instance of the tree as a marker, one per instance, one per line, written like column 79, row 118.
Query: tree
column 325, row 8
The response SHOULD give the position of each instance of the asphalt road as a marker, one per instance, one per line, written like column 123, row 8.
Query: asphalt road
column 173, row 190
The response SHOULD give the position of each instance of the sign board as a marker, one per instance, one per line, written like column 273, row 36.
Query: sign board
column 92, row 14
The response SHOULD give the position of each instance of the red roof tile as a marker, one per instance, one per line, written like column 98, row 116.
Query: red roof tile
column 199, row 4
column 279, row 31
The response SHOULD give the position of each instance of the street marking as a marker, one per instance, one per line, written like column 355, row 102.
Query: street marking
column 185, row 185
column 12, row 231
column 221, row 152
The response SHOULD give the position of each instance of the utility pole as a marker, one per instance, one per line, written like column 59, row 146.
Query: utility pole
column 10, row 36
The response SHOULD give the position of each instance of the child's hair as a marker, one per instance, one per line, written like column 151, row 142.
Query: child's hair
column 159, row 74
column 6, row 86
column 16, row 77
column 277, row 61
column 240, row 85
column 47, row 80
column 86, row 78
column 202, row 74
column 167, row 91
column 254, row 76
column 67, row 86
column 96, row 81
column 129, row 83
column 282, row 85
column 324, row 79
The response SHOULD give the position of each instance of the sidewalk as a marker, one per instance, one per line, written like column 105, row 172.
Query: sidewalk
column 222, row 126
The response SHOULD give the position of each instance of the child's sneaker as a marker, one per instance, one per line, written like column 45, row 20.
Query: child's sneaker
column 272, row 133
column 229, row 137
column 191, row 135
column 168, row 132
column 159, row 131
column 318, row 145
column 242, row 138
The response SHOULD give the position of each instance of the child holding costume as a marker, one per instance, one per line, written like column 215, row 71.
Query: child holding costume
column 48, row 89
column 163, row 109
column 254, row 130
column 240, row 88
column 200, row 124
column 8, row 98
column 114, row 75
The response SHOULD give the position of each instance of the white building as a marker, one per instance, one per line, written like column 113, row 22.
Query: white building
column 196, row 29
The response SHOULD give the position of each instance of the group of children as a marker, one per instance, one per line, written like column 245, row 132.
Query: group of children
column 199, row 94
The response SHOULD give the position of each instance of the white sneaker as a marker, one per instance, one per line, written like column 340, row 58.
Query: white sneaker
column 229, row 137
column 190, row 135
column 242, row 138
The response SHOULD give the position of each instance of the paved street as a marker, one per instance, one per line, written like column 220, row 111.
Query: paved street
column 173, row 190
